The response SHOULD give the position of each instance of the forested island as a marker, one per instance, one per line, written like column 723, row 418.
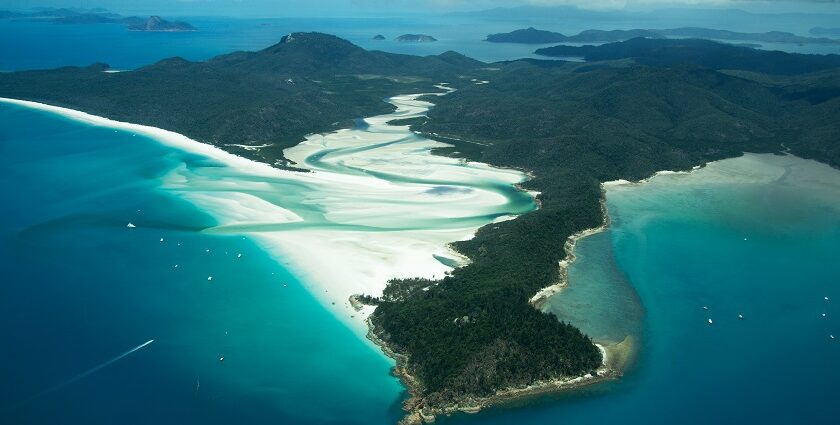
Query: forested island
column 633, row 109
column 535, row 36
column 698, row 53
column 100, row 16
column 416, row 38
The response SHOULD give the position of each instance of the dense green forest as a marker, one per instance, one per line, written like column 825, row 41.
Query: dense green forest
column 574, row 125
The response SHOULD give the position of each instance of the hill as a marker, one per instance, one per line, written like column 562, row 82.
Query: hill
column 699, row 53
column 306, row 83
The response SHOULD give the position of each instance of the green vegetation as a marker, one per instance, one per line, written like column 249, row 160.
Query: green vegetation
column 699, row 53
column 574, row 126
column 535, row 36
column 307, row 83
column 655, row 107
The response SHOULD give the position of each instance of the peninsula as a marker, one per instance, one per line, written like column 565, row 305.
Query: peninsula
column 472, row 337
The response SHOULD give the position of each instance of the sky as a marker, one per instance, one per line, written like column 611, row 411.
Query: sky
column 280, row 8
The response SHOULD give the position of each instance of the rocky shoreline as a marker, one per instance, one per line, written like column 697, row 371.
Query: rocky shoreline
column 539, row 299
column 418, row 412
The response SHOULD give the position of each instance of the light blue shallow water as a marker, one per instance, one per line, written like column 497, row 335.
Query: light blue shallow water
column 679, row 244
column 79, row 288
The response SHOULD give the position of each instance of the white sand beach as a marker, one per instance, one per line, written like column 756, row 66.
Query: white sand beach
column 377, row 204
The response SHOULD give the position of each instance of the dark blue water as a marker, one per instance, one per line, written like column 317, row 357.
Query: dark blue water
column 79, row 288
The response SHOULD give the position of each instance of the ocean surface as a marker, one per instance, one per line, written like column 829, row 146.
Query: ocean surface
column 38, row 45
column 81, row 293
column 121, row 293
column 79, row 288
column 756, row 236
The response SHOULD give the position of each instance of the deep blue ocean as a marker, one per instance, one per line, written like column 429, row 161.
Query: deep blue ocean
column 79, row 288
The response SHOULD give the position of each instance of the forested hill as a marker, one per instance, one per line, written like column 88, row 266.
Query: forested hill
column 700, row 53
column 308, row 82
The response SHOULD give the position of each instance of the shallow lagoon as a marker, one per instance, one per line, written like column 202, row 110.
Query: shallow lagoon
column 757, row 236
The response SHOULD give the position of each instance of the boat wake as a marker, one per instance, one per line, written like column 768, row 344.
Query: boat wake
column 87, row 372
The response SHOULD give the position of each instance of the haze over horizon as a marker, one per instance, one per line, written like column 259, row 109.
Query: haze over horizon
column 367, row 8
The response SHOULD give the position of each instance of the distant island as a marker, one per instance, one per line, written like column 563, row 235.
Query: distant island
column 158, row 24
column 379, row 37
column 416, row 38
column 704, row 53
column 824, row 31
column 100, row 16
column 535, row 36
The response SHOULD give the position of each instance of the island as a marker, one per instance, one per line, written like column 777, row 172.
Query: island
column 100, row 16
column 529, row 35
column 158, row 24
column 535, row 36
column 478, row 335
column 697, row 52
column 416, row 38
column 379, row 37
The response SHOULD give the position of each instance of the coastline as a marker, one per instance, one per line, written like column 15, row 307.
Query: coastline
column 418, row 413
column 541, row 297
column 292, row 256
column 363, row 252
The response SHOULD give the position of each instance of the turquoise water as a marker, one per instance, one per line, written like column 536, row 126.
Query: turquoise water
column 79, row 288
column 28, row 45
column 757, row 236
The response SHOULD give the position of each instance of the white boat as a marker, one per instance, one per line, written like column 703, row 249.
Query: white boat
column 161, row 239
column 209, row 278
column 710, row 321
column 130, row 225
column 705, row 307
column 238, row 255
column 221, row 359
column 741, row 316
